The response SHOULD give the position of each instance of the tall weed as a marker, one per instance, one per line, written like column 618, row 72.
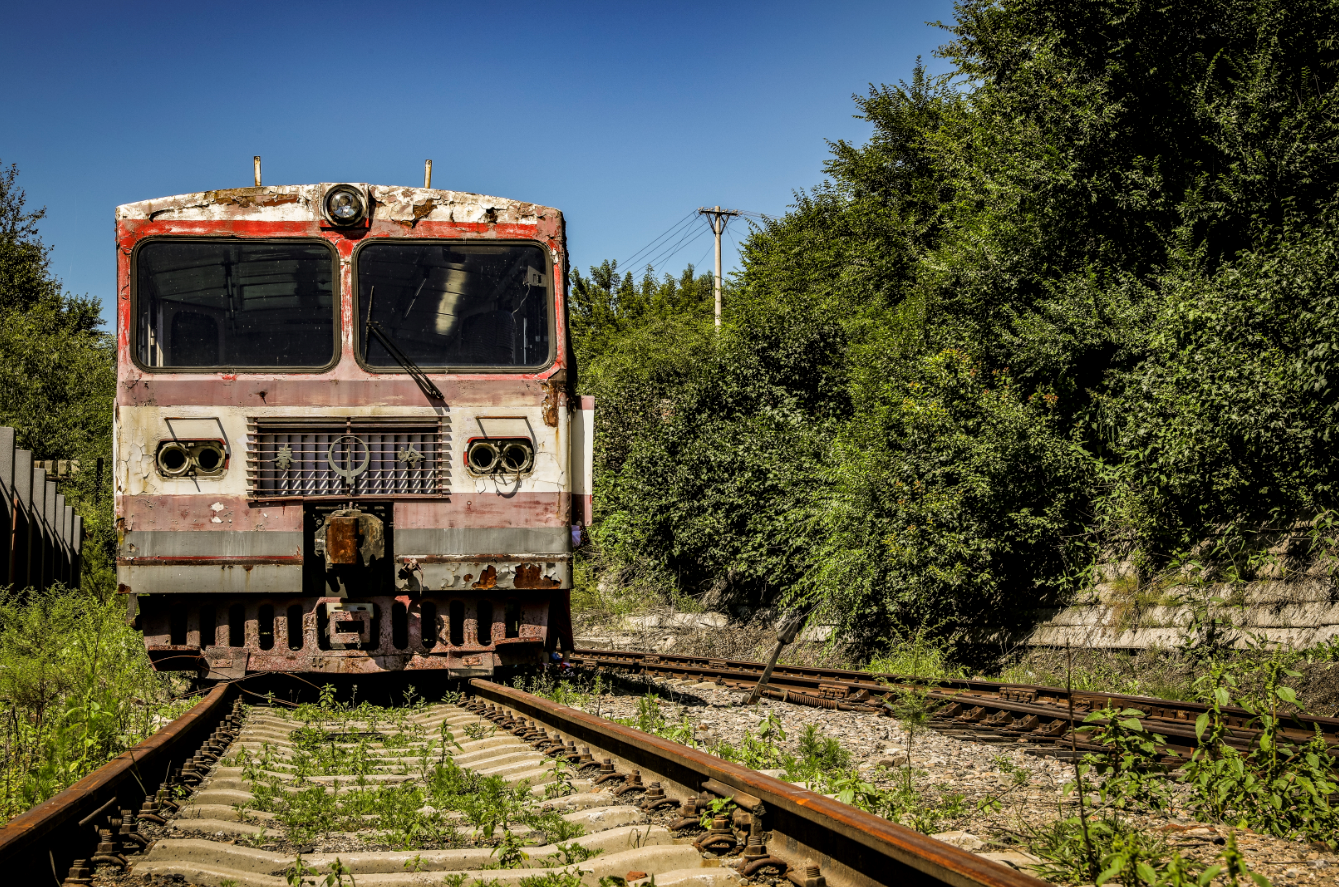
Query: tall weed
column 76, row 689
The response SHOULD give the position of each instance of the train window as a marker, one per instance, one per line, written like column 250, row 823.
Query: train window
column 454, row 304
column 232, row 304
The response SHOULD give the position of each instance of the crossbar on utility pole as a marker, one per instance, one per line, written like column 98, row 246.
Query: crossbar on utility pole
column 717, row 218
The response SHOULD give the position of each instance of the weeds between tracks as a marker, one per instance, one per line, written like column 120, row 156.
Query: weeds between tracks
column 1276, row 787
column 334, row 739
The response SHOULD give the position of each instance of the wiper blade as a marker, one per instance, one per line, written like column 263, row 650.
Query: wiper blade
column 374, row 329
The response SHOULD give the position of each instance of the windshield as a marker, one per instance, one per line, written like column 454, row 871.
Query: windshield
column 455, row 304
column 231, row 304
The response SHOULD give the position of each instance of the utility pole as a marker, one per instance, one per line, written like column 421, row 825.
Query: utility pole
column 717, row 219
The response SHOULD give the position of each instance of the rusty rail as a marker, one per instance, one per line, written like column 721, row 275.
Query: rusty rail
column 1033, row 714
column 848, row 846
column 36, row 845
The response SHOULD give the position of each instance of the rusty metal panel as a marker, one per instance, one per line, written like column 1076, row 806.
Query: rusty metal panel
column 201, row 542
column 341, row 540
column 447, row 572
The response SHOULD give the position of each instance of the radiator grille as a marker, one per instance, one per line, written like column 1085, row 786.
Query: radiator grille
column 287, row 458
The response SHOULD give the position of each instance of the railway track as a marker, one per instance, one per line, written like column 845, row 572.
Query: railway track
column 1037, row 716
column 445, row 793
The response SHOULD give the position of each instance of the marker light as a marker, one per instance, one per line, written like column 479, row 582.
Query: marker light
column 344, row 205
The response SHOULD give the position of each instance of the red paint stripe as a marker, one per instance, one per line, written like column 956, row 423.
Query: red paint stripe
column 335, row 389
column 204, row 561
column 195, row 513
column 485, row 511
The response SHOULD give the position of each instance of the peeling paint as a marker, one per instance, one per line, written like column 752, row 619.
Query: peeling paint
column 189, row 536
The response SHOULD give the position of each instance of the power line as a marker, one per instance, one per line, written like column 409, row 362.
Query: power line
column 670, row 251
column 673, row 229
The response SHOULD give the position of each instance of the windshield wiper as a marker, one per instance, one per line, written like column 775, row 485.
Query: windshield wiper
column 374, row 329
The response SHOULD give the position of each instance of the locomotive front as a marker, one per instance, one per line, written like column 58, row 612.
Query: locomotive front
column 346, row 439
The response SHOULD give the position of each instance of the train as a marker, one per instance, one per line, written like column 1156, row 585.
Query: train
column 347, row 438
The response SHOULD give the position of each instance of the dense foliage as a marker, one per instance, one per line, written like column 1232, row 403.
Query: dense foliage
column 57, row 371
column 75, row 685
column 1076, row 298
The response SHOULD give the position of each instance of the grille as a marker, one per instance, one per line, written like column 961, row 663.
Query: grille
column 288, row 458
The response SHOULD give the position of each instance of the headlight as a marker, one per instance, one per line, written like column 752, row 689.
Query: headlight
column 482, row 456
column 344, row 205
column 174, row 460
column 517, row 456
column 209, row 457
column 184, row 458
column 504, row 456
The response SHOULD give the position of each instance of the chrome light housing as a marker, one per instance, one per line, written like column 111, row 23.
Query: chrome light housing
column 191, row 458
column 174, row 460
column 344, row 205
column 512, row 455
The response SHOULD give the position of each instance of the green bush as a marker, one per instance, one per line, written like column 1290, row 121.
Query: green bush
column 1075, row 299
column 76, row 687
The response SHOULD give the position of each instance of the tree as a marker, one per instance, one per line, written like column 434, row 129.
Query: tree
column 57, row 371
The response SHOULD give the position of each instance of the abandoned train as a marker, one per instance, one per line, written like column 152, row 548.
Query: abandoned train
column 347, row 439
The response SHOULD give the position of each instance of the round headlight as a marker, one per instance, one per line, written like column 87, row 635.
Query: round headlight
column 518, row 456
column 174, row 460
column 482, row 456
column 344, row 205
column 209, row 458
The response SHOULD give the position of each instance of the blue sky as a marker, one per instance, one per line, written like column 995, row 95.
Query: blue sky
column 625, row 116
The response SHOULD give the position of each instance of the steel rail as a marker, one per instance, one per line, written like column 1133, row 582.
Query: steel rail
column 850, row 848
column 45, row 840
column 1023, row 712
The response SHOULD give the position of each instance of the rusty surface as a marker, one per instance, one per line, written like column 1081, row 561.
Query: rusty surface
column 212, row 561
column 322, row 641
column 554, row 390
column 341, row 540
column 52, row 827
column 532, row 576
column 488, row 578
column 1037, row 714
column 841, row 838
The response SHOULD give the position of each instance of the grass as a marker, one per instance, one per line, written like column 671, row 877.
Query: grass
column 334, row 739
column 76, row 688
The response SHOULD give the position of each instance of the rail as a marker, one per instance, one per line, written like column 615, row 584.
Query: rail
column 1032, row 714
column 848, row 846
column 37, row 845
